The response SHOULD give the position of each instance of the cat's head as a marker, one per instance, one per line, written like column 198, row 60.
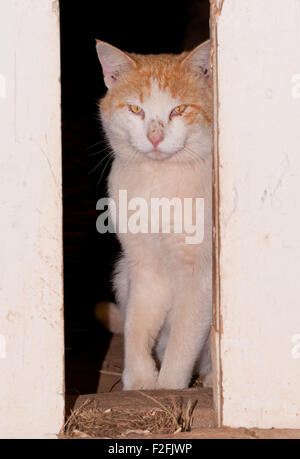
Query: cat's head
column 157, row 106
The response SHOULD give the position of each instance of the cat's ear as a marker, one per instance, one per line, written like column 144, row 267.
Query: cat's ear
column 199, row 58
column 113, row 62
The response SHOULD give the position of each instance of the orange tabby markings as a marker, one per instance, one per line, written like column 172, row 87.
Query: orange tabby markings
column 172, row 75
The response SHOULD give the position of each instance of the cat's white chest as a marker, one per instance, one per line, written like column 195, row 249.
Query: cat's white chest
column 160, row 179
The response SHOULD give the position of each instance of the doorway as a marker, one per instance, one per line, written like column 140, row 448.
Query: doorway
column 89, row 256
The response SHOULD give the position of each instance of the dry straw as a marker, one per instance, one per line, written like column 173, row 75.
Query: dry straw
column 169, row 416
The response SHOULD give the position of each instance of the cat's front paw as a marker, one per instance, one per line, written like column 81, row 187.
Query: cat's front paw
column 172, row 380
column 140, row 377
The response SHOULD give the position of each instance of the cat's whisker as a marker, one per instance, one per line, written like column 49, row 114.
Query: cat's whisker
column 103, row 150
column 131, row 157
column 193, row 154
column 108, row 161
column 96, row 153
column 97, row 143
column 135, row 155
column 189, row 150
column 96, row 167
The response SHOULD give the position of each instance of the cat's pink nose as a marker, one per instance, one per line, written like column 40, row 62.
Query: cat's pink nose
column 155, row 138
column 155, row 132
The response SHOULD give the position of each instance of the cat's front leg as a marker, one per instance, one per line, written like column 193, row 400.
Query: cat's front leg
column 189, row 332
column 148, row 304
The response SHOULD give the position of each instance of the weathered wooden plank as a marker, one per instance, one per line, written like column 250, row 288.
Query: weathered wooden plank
column 257, row 142
column 31, row 294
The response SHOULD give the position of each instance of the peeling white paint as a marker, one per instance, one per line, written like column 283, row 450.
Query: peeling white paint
column 2, row 347
column 295, row 351
column 2, row 87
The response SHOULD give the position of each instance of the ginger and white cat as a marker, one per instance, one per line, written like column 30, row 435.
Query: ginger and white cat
column 157, row 116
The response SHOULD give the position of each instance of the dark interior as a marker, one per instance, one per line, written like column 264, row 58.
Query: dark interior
column 162, row 27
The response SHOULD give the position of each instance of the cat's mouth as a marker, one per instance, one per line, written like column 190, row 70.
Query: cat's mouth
column 159, row 155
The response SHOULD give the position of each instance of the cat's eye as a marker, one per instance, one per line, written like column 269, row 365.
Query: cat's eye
column 136, row 109
column 179, row 110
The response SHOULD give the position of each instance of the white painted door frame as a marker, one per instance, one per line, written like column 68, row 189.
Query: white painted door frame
column 256, row 330
column 31, row 285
